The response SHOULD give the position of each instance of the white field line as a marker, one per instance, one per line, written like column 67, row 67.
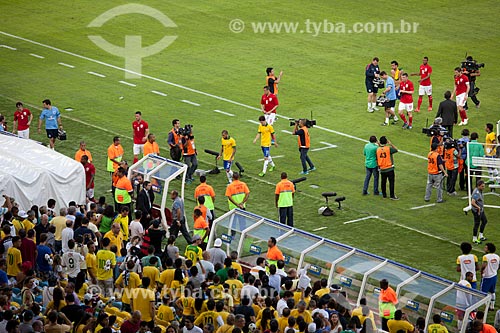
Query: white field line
column 96, row 74
column 423, row 206
column 8, row 47
column 158, row 93
column 183, row 87
column 127, row 83
column 278, row 156
column 328, row 146
column 66, row 65
column 189, row 102
column 37, row 56
column 320, row 228
column 361, row 219
column 226, row 113
column 287, row 132
column 253, row 121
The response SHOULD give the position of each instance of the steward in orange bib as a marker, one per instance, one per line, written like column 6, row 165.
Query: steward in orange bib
column 436, row 172
column 385, row 163
column 451, row 162
column 174, row 141
column 304, row 144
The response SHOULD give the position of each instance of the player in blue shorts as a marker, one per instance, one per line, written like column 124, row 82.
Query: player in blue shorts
column 227, row 153
column 267, row 137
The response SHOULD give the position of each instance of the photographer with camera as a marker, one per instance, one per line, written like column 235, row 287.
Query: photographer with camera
column 304, row 141
column 390, row 95
column 371, row 73
column 189, row 152
column 461, row 91
column 471, row 68
column 437, row 133
column 174, row 141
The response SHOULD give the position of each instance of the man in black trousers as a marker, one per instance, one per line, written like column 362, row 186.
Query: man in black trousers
column 448, row 112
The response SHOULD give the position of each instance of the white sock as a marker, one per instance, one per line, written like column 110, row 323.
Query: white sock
column 270, row 159
column 492, row 302
column 481, row 235
column 229, row 176
column 474, row 238
column 386, row 120
column 264, row 169
column 369, row 105
column 395, row 117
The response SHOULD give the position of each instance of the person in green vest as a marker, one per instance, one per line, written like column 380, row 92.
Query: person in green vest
column 284, row 193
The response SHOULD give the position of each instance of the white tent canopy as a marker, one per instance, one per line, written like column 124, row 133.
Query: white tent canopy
column 32, row 174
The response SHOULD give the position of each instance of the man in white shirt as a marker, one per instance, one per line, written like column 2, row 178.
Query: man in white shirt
column 217, row 255
column 189, row 326
column 71, row 261
column 67, row 234
column 135, row 226
column 249, row 290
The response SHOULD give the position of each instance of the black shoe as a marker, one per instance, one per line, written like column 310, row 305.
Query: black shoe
column 394, row 198
column 365, row 193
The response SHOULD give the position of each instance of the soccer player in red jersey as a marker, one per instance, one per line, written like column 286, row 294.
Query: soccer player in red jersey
column 461, row 92
column 89, row 176
column 425, row 85
column 141, row 132
column 406, row 91
column 269, row 104
column 22, row 121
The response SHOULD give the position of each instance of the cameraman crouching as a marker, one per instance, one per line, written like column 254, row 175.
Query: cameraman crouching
column 189, row 153
column 302, row 133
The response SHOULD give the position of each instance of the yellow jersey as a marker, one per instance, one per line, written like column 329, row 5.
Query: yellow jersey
column 123, row 221
column 128, row 285
column 266, row 132
column 106, row 260
column 235, row 287
column 153, row 274
column 228, row 146
column 207, row 317
column 187, row 305
column 437, row 328
column 141, row 301
column 14, row 260
column 490, row 144
column 165, row 313
column 115, row 240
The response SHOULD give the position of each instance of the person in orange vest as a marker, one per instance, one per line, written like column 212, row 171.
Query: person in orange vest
column 436, row 172
column 189, row 153
column 151, row 147
column 451, row 161
column 385, row 163
column 387, row 301
column 304, row 145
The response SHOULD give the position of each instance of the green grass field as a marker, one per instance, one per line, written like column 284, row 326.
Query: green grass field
column 220, row 70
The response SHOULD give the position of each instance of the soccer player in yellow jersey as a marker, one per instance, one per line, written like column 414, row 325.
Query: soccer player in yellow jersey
column 267, row 137
column 186, row 303
column 437, row 326
column 208, row 317
column 227, row 153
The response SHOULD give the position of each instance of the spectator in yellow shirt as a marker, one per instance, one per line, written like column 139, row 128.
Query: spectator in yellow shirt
column 14, row 258
column 115, row 236
column 122, row 219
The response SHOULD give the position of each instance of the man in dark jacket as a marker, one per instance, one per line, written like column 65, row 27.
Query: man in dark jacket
column 145, row 202
column 448, row 112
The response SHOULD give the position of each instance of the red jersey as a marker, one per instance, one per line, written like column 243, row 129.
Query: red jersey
column 89, row 172
column 408, row 86
column 140, row 128
column 269, row 102
column 424, row 71
column 22, row 118
column 461, row 83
